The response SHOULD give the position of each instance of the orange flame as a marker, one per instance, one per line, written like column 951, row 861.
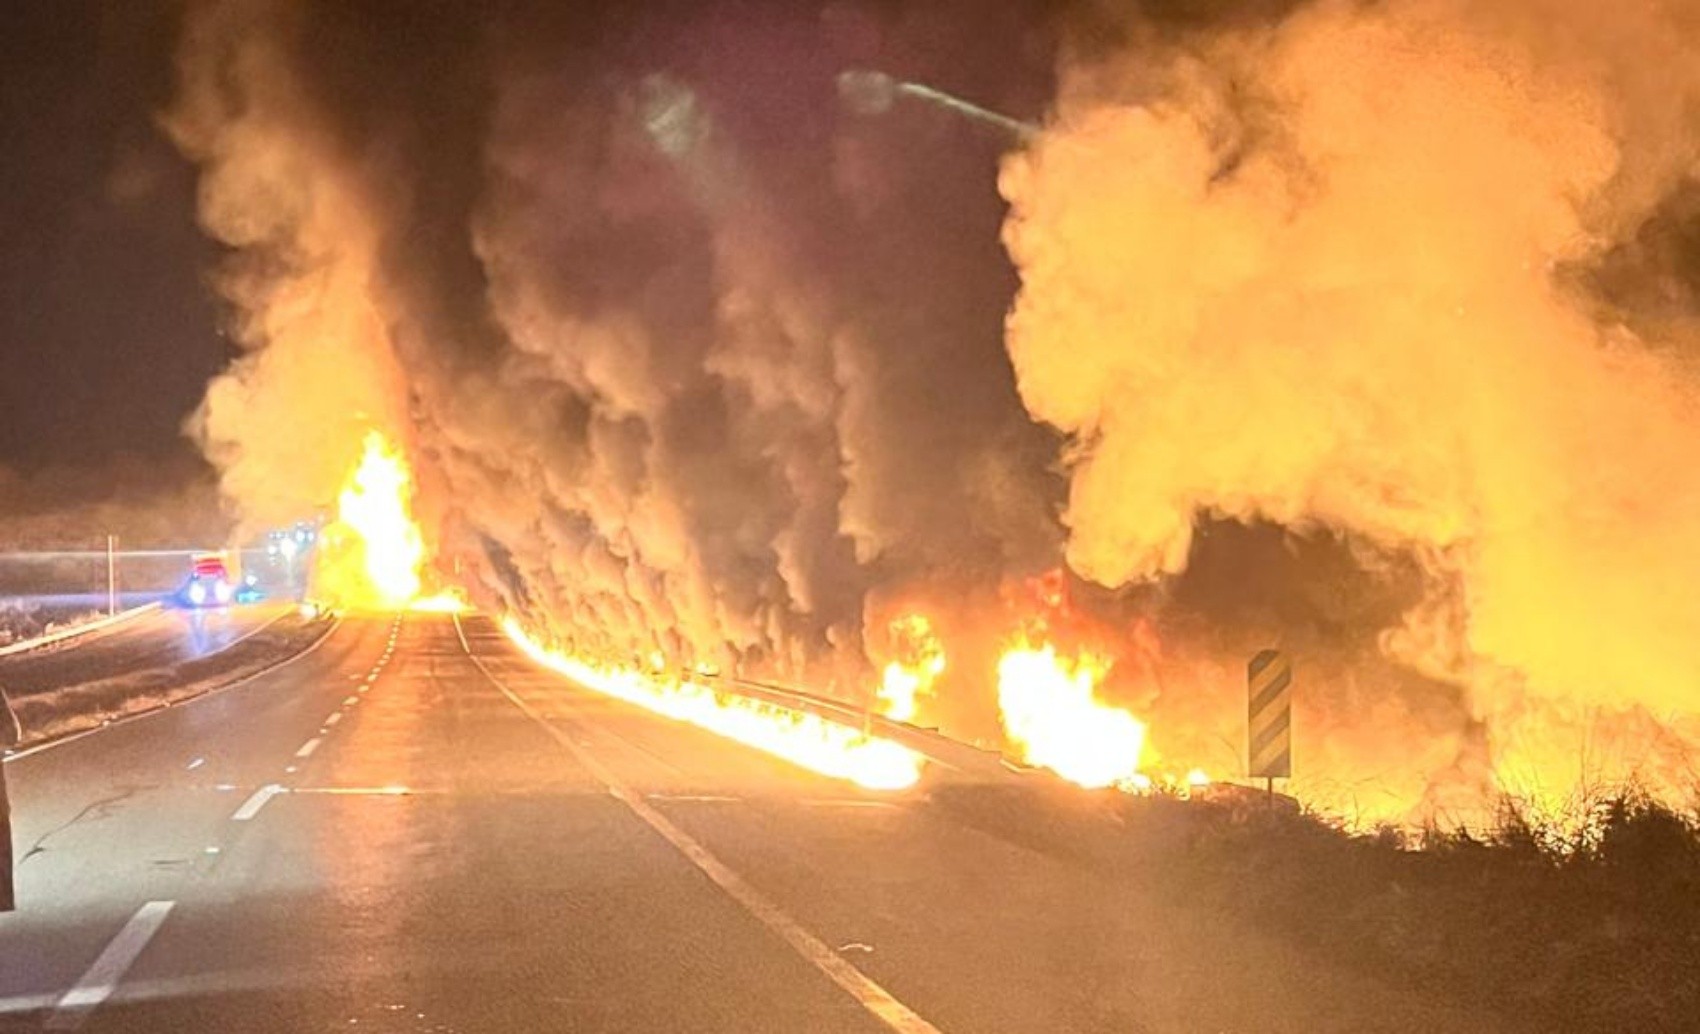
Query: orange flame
column 805, row 740
column 374, row 550
column 1051, row 712
column 909, row 678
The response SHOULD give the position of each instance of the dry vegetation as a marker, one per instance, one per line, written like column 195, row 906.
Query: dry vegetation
column 1588, row 925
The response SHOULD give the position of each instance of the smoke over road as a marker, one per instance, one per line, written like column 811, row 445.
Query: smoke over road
column 690, row 362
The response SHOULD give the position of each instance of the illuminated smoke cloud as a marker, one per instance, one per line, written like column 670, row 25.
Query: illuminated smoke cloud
column 285, row 423
column 663, row 339
column 1348, row 273
column 1366, row 310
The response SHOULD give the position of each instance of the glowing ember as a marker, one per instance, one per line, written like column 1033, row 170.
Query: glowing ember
column 1051, row 712
column 910, row 677
column 803, row 739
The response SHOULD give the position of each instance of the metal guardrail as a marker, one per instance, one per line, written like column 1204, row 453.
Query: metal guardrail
column 83, row 628
column 936, row 746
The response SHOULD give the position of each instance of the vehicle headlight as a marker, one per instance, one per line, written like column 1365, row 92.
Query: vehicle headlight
column 197, row 593
column 222, row 591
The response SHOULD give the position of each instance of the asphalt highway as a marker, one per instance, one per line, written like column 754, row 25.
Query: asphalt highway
column 154, row 640
column 412, row 829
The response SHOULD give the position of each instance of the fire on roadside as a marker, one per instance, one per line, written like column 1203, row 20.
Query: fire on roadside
column 909, row 677
column 1050, row 692
column 1051, row 713
column 805, row 740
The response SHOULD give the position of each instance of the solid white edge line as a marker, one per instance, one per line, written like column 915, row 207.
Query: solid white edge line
column 253, row 804
column 879, row 1002
column 42, row 748
column 101, row 979
column 308, row 748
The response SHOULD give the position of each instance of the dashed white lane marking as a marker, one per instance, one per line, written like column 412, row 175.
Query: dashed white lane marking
column 879, row 1002
column 97, row 984
column 350, row 700
column 335, row 717
column 308, row 748
column 255, row 802
column 197, row 763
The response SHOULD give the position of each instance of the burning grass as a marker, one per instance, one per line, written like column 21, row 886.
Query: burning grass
column 1580, row 926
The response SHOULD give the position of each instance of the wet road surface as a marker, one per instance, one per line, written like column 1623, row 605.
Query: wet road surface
column 410, row 829
column 155, row 640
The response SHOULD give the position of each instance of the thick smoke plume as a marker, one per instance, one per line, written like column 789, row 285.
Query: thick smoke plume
column 1370, row 271
column 1366, row 327
column 686, row 367
column 284, row 425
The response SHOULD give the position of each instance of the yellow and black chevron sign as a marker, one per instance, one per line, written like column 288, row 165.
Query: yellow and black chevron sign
column 1269, row 717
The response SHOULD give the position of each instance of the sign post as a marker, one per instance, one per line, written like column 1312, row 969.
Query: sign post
column 1269, row 718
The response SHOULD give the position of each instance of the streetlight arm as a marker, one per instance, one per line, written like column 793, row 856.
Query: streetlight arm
column 868, row 92
column 1022, row 131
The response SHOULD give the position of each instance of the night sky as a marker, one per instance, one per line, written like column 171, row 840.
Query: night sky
column 108, row 329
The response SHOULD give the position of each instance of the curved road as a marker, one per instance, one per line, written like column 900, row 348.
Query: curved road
column 412, row 830
column 156, row 640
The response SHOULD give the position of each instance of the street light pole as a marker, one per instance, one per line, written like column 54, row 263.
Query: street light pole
column 111, row 575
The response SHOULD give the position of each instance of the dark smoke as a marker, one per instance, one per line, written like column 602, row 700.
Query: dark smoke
column 689, row 358
column 692, row 359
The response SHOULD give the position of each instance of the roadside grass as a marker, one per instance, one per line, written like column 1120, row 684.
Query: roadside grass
column 63, row 710
column 21, row 619
column 1589, row 923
